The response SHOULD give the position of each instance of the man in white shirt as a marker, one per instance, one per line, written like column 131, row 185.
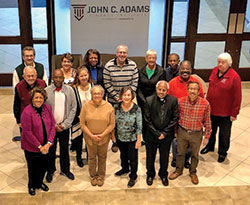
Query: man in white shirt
column 63, row 103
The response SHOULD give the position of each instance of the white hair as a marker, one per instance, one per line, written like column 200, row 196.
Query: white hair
column 226, row 56
column 97, row 87
column 120, row 46
column 29, row 67
column 162, row 81
column 151, row 52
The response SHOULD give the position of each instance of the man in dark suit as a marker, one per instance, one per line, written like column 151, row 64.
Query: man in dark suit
column 161, row 116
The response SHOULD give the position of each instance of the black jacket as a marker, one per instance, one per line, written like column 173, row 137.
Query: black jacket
column 146, row 87
column 161, row 117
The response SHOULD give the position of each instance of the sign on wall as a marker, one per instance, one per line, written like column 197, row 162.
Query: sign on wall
column 104, row 24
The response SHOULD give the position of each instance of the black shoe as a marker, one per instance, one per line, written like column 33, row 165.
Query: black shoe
column 150, row 181
column 16, row 139
column 131, row 183
column 187, row 165
column 206, row 150
column 68, row 175
column 49, row 177
column 32, row 191
column 221, row 158
column 121, row 172
column 80, row 162
column 44, row 187
column 164, row 181
column 173, row 163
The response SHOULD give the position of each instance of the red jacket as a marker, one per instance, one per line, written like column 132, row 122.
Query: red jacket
column 224, row 93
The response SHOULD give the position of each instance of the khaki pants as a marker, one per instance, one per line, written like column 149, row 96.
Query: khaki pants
column 97, row 155
column 185, row 138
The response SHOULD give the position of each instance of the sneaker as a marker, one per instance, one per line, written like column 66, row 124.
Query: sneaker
column 68, row 175
column 131, row 183
column 93, row 181
column 121, row 172
column 100, row 181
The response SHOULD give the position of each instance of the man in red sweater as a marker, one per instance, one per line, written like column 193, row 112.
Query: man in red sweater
column 178, row 89
column 22, row 93
column 224, row 96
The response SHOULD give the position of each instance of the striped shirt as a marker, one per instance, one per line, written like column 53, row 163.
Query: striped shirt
column 115, row 78
column 195, row 115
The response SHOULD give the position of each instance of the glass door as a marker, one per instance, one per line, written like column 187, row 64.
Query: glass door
column 202, row 29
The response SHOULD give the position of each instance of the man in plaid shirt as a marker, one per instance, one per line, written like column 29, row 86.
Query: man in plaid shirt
column 194, row 116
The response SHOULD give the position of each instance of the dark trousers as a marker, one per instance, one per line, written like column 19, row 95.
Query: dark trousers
column 174, row 151
column 185, row 139
column 129, row 157
column 151, row 149
column 224, row 124
column 77, row 145
column 63, row 138
column 37, row 165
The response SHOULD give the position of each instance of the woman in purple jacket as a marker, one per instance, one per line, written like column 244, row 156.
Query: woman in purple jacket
column 38, row 131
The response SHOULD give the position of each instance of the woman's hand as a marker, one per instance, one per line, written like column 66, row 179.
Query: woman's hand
column 45, row 149
column 138, row 144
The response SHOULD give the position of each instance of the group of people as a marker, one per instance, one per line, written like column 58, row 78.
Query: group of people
column 151, row 105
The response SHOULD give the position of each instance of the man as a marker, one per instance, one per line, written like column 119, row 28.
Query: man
column 22, row 93
column 119, row 72
column 28, row 55
column 173, row 66
column 194, row 116
column 161, row 116
column 178, row 85
column 178, row 89
column 62, row 100
column 225, row 96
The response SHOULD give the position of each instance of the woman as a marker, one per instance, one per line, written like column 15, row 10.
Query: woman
column 92, row 60
column 68, row 72
column 224, row 96
column 82, row 87
column 149, row 75
column 97, row 120
column 38, row 131
column 128, row 133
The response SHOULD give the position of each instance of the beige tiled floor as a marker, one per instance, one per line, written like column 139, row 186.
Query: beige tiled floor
column 218, row 182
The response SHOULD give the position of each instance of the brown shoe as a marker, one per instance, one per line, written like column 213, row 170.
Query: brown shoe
column 93, row 181
column 174, row 175
column 194, row 178
column 100, row 181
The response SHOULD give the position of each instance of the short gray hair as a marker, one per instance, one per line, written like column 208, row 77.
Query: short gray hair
column 29, row 67
column 99, row 87
column 162, row 81
column 151, row 52
column 226, row 56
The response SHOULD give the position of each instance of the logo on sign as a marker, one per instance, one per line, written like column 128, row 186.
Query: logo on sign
column 79, row 11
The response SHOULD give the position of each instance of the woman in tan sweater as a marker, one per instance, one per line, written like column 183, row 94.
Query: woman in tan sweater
column 97, row 122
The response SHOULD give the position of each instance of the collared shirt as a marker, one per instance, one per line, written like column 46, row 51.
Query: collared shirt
column 195, row 115
column 178, row 87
